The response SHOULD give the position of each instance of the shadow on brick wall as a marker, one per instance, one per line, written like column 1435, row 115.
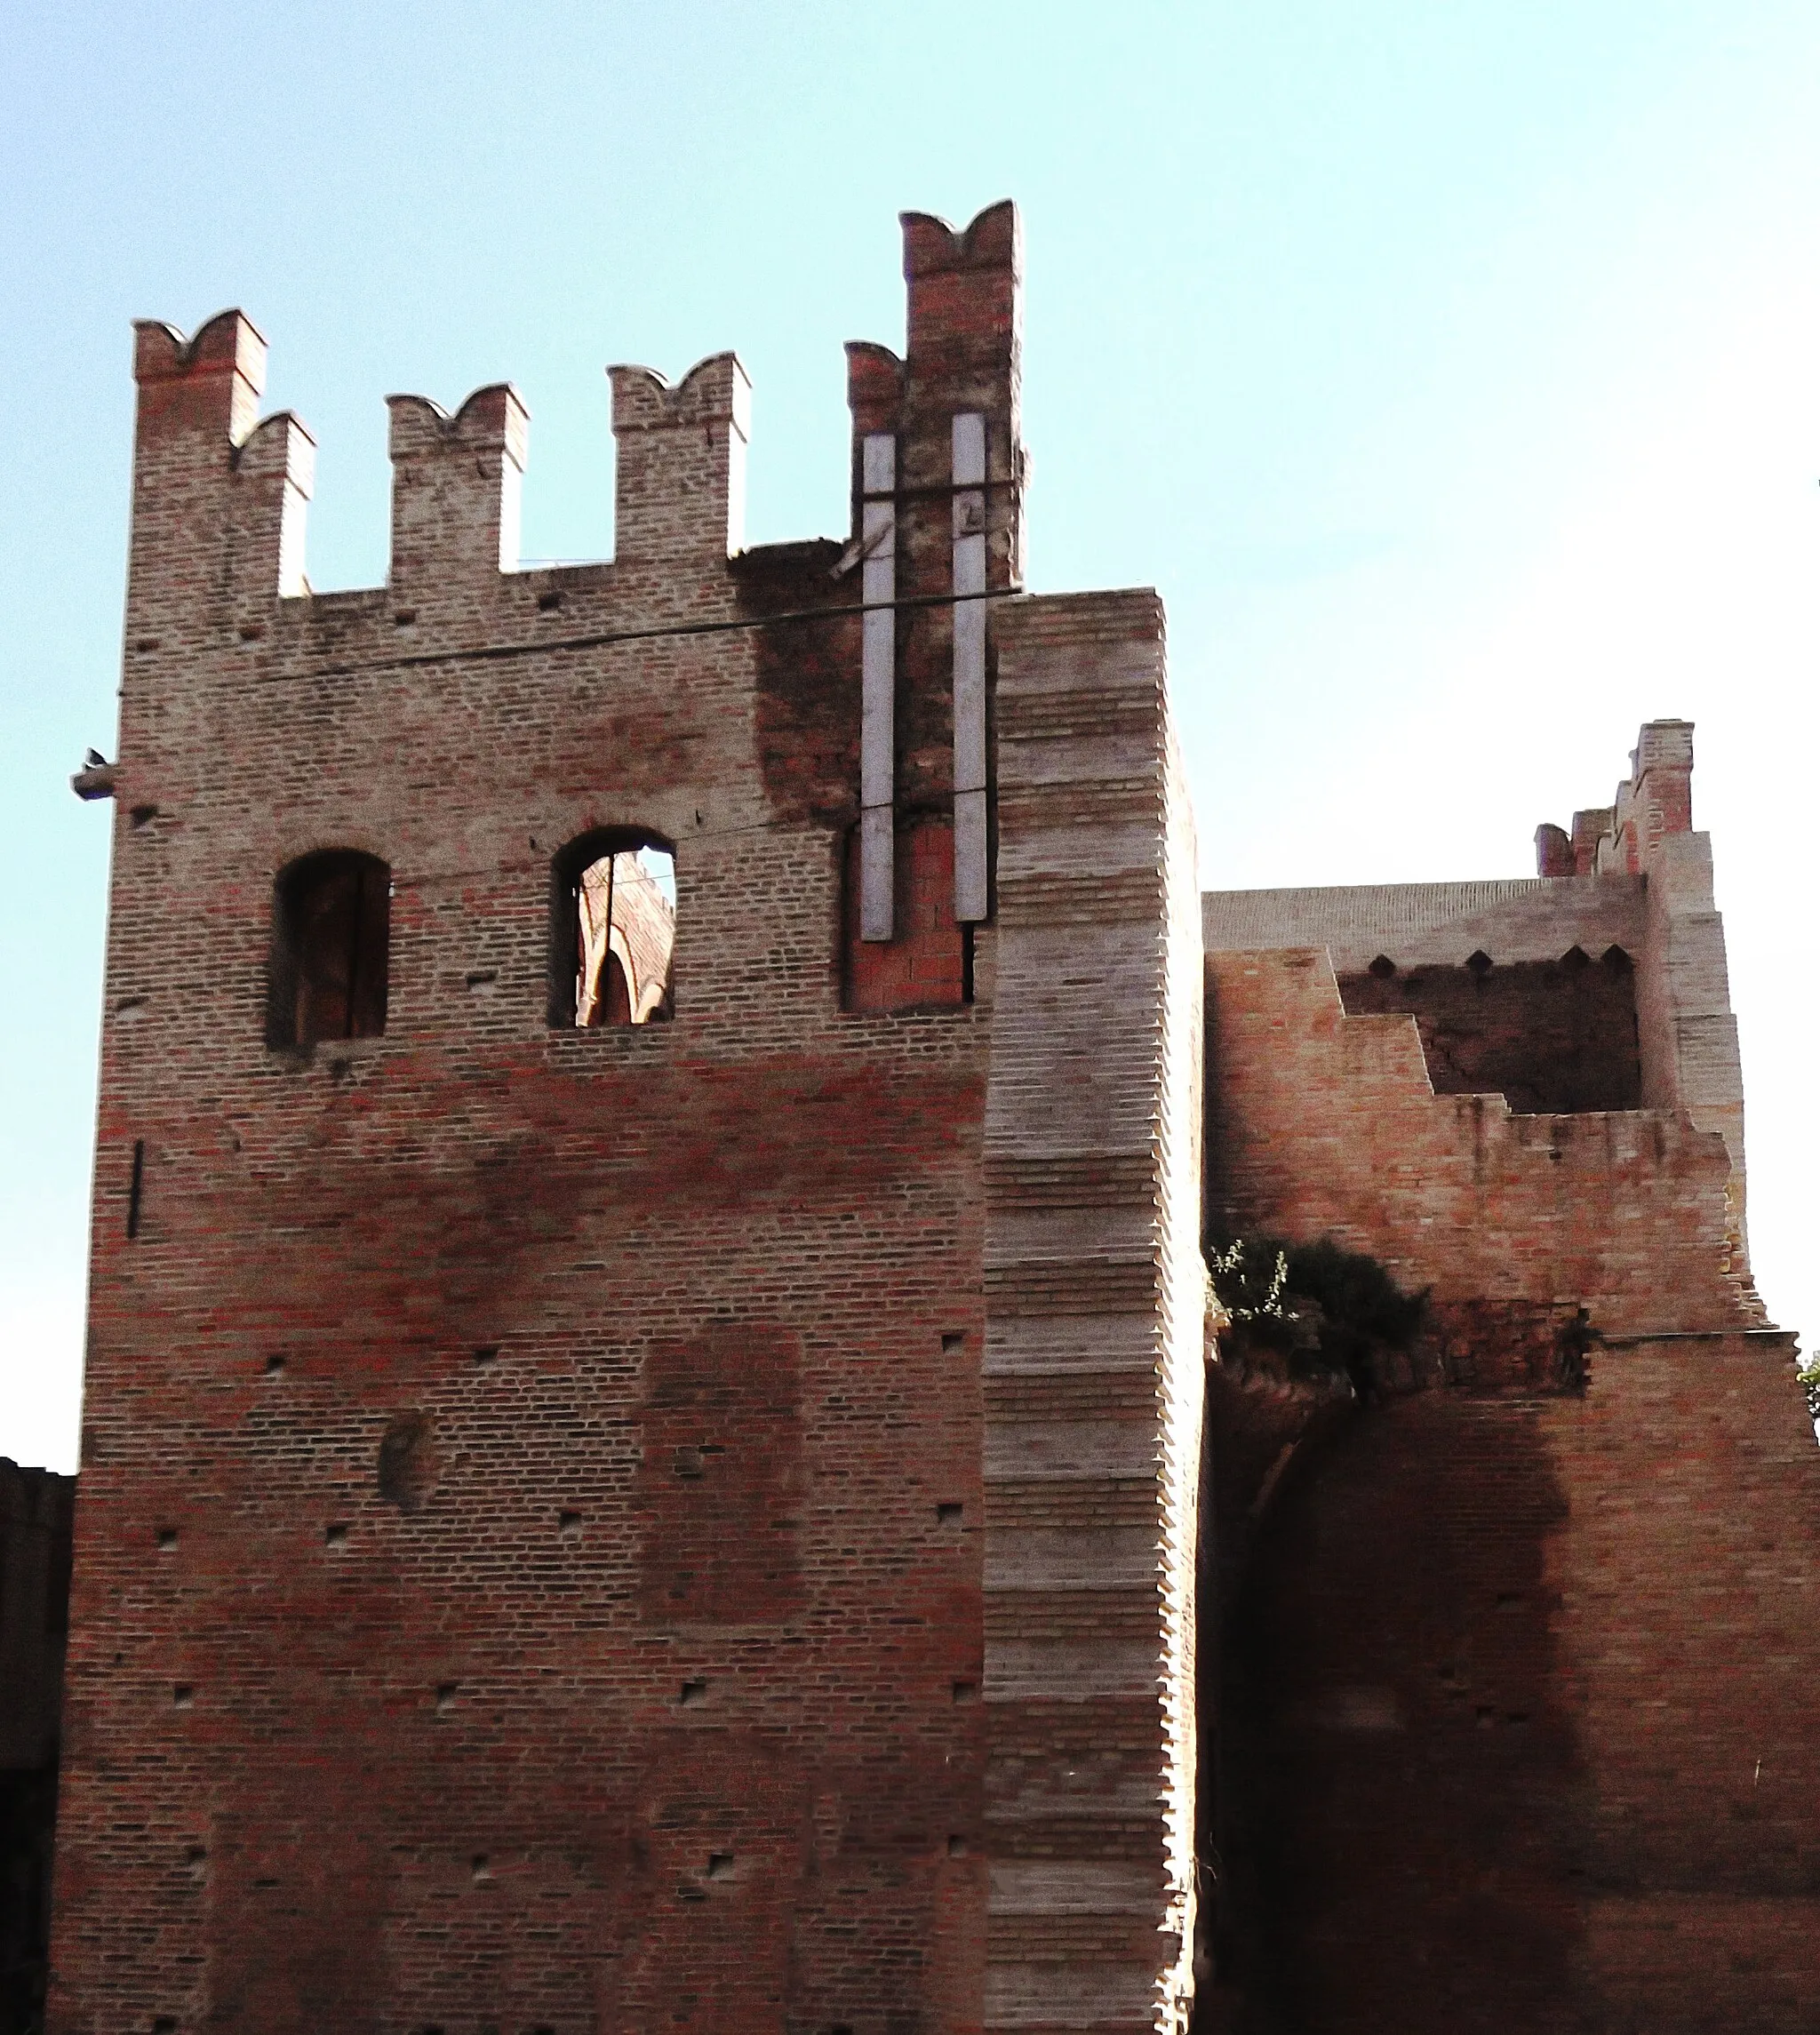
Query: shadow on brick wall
column 1401, row 1805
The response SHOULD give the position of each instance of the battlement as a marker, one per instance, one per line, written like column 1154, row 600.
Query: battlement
column 211, row 477
column 211, row 381
column 1653, row 803
column 456, row 486
column 682, row 484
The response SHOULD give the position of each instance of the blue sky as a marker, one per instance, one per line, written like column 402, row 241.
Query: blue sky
column 1450, row 368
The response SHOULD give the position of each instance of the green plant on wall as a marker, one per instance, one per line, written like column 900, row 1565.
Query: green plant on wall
column 1323, row 1309
column 1809, row 1376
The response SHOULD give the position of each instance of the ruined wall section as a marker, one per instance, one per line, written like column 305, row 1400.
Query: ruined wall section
column 1512, row 1635
column 1095, row 1304
column 1687, row 1033
column 433, row 1373
column 1327, row 1125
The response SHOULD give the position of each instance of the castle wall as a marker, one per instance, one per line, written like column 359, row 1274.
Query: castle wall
column 1554, row 1038
column 537, row 1479
column 1518, row 1656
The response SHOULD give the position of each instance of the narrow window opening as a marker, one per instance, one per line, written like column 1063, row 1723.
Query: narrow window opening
column 613, row 930
column 135, row 1194
column 331, row 948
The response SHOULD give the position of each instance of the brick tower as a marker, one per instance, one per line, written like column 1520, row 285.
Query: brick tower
column 646, row 1312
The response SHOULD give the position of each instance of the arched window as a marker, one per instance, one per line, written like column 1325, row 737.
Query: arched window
column 332, row 923
column 613, row 929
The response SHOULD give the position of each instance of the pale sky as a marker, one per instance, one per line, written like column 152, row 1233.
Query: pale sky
column 1449, row 367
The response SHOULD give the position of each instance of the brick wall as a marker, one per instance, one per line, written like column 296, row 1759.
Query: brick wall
column 1096, row 1300
column 530, row 1573
column 1516, row 1659
column 1553, row 1037
column 532, row 1565
column 1517, row 1710
column 1325, row 1124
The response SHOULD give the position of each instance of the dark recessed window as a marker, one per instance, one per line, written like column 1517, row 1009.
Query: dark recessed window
column 613, row 930
column 330, row 946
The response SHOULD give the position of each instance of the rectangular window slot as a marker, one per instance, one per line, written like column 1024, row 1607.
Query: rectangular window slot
column 694, row 1695
column 135, row 1191
column 948, row 1515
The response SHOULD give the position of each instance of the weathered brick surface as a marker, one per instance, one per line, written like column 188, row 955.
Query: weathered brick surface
column 1515, row 1682
column 530, row 1572
column 1552, row 1038
column 534, row 1477
column 699, row 1524
column 1522, row 1687
column 1324, row 1124
column 1095, row 1300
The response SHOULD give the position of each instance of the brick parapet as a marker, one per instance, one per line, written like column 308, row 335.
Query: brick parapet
column 1511, row 919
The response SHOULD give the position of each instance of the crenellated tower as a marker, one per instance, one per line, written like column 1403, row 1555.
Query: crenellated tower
column 584, row 1457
